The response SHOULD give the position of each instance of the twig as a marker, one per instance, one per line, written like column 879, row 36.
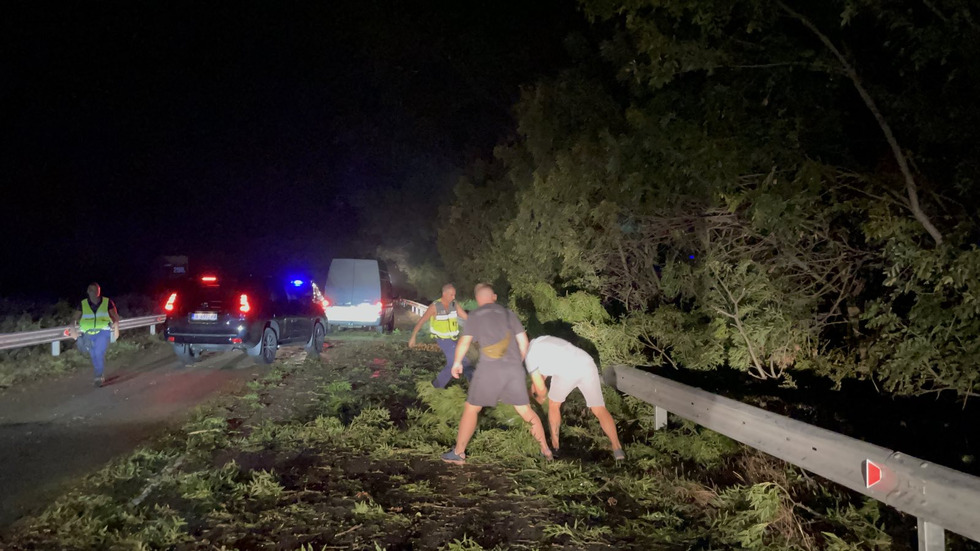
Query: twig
column 348, row 531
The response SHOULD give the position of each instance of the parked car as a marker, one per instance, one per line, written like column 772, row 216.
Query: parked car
column 358, row 294
column 256, row 315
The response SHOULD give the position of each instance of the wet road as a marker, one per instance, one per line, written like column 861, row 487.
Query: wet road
column 54, row 431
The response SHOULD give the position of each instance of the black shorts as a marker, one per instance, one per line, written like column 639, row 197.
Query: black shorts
column 498, row 383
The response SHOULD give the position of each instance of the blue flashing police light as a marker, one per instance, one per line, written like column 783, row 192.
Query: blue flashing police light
column 297, row 282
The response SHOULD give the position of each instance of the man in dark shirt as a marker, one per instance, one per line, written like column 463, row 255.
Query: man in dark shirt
column 500, row 374
column 95, row 324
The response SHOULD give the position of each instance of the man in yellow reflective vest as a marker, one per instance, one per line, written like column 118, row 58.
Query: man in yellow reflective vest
column 445, row 314
column 94, row 325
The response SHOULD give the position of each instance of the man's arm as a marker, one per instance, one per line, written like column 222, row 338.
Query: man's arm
column 73, row 326
column 429, row 312
column 522, row 344
column 537, row 387
column 461, row 347
column 460, row 312
column 113, row 313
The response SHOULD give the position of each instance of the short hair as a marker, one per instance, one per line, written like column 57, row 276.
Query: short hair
column 482, row 287
column 448, row 286
column 96, row 285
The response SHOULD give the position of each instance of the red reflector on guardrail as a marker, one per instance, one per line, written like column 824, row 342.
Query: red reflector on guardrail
column 872, row 473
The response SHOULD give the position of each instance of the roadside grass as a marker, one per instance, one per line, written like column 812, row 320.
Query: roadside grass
column 35, row 363
column 353, row 464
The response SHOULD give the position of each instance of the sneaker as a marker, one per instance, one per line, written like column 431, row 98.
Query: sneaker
column 619, row 455
column 452, row 457
column 99, row 381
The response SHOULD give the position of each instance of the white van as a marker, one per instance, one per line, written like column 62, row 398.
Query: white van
column 358, row 294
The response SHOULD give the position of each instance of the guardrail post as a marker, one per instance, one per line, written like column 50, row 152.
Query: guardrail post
column 659, row 418
column 56, row 348
column 153, row 329
column 932, row 537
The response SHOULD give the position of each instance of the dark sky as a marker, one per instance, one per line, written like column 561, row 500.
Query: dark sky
column 239, row 132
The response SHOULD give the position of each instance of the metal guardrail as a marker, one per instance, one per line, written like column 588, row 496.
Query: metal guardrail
column 417, row 307
column 940, row 498
column 55, row 335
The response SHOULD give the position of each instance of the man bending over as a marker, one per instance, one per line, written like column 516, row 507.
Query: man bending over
column 569, row 367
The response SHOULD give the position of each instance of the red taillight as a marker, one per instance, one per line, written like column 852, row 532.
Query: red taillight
column 243, row 305
column 324, row 304
column 209, row 279
column 169, row 307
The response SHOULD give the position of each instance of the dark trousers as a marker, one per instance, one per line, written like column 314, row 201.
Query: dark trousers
column 448, row 347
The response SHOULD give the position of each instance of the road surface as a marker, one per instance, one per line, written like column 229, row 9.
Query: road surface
column 51, row 432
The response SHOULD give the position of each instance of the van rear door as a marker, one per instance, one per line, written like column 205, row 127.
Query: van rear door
column 354, row 290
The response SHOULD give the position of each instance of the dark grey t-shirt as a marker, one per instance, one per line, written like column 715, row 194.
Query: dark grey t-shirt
column 495, row 328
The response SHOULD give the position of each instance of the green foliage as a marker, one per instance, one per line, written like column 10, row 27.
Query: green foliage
column 728, row 197
column 748, row 515
column 465, row 544
column 927, row 328
column 692, row 443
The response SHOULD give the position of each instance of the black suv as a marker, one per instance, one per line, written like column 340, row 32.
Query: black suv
column 256, row 315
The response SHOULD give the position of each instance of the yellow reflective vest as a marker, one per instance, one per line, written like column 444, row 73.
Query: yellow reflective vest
column 445, row 324
column 93, row 322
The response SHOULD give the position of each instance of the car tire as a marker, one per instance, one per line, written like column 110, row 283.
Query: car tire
column 185, row 354
column 269, row 346
column 316, row 340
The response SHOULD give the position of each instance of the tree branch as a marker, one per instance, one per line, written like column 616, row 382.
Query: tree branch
column 903, row 165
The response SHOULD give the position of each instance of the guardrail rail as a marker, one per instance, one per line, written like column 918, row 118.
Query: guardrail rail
column 416, row 307
column 55, row 335
column 940, row 498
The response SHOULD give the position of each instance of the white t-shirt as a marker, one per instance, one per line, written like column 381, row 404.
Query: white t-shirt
column 553, row 356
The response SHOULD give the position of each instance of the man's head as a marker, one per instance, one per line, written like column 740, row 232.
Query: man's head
column 448, row 292
column 94, row 291
column 484, row 294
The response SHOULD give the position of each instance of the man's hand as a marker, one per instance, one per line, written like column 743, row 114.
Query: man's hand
column 540, row 398
column 457, row 369
column 73, row 332
column 115, row 331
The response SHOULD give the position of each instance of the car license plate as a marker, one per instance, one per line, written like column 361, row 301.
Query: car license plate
column 204, row 316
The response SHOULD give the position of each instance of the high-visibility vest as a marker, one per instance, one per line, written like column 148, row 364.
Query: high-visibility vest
column 445, row 324
column 93, row 322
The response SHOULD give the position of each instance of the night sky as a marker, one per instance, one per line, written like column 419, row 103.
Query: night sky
column 238, row 133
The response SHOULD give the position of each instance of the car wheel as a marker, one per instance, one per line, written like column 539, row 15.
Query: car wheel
column 270, row 345
column 185, row 353
column 316, row 341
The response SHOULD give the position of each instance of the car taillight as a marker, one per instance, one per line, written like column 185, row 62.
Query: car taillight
column 169, row 306
column 209, row 279
column 324, row 303
column 243, row 305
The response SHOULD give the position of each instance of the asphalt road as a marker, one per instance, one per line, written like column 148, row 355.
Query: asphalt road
column 55, row 431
